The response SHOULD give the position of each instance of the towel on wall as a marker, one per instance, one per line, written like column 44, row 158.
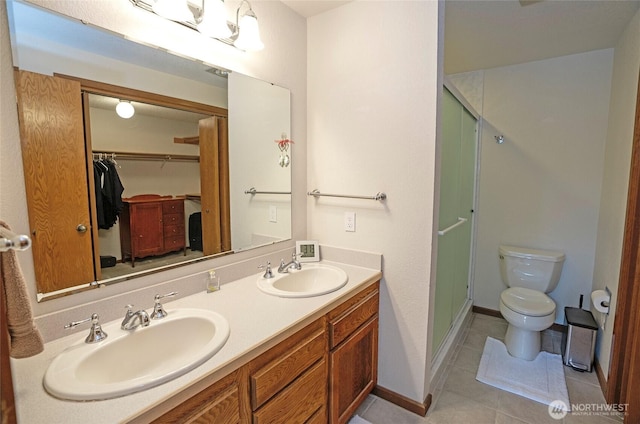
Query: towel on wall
column 25, row 337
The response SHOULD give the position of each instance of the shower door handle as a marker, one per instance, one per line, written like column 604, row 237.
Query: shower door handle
column 457, row 224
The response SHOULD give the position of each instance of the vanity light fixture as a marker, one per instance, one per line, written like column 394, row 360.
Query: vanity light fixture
column 125, row 109
column 175, row 10
column 209, row 17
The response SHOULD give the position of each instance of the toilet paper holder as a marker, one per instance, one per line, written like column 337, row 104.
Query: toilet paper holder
column 601, row 300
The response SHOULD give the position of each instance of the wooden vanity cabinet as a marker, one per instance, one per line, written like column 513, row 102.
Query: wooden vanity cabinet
column 353, row 357
column 319, row 375
column 288, row 383
column 151, row 225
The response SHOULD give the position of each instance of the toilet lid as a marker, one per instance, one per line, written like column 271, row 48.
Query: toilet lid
column 527, row 301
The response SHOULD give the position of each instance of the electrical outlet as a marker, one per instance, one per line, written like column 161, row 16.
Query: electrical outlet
column 273, row 214
column 350, row 222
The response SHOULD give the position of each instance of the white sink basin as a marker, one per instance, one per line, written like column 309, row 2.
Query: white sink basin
column 131, row 361
column 311, row 280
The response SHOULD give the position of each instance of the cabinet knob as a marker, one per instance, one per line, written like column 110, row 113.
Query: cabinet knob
column 81, row 228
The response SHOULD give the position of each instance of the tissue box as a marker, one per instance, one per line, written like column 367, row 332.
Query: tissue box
column 579, row 342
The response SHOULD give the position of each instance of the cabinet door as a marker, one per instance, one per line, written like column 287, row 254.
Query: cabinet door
column 353, row 371
column 56, row 183
column 146, row 229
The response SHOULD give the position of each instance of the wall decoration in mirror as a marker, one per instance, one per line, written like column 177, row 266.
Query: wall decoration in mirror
column 198, row 139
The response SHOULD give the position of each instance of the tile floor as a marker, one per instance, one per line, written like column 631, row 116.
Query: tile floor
column 459, row 398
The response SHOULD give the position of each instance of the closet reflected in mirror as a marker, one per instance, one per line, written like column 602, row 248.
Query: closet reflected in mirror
column 146, row 163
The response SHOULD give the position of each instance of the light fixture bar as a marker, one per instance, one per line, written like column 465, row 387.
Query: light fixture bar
column 148, row 6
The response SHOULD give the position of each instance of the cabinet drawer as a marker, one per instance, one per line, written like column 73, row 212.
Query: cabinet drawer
column 173, row 206
column 346, row 323
column 173, row 219
column 298, row 402
column 277, row 374
column 173, row 230
column 219, row 403
column 171, row 243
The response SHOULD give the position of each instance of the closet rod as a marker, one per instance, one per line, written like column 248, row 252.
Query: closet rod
column 10, row 240
column 378, row 196
column 148, row 156
column 253, row 191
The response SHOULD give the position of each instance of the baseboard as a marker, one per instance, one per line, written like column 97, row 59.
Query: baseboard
column 403, row 401
column 601, row 378
column 486, row 311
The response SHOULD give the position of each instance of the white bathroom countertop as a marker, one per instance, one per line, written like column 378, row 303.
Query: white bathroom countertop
column 257, row 321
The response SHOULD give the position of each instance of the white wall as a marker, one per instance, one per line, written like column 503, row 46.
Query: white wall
column 541, row 188
column 372, row 127
column 254, row 126
column 282, row 62
column 617, row 159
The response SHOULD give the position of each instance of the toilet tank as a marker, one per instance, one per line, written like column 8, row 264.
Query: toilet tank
column 530, row 268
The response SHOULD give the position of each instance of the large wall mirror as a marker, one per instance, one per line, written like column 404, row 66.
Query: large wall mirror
column 196, row 171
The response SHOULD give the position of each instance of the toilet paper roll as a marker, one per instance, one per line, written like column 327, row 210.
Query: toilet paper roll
column 600, row 300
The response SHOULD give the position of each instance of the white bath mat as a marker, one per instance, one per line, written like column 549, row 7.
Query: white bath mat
column 356, row 419
column 541, row 380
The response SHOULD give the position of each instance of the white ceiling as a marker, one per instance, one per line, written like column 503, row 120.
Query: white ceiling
column 484, row 34
column 307, row 8
column 487, row 34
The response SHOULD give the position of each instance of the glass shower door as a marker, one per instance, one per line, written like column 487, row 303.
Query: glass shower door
column 457, row 183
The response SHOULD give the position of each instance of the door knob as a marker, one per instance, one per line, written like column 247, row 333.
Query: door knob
column 81, row 228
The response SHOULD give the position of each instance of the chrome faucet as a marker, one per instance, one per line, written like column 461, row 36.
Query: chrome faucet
column 267, row 270
column 95, row 334
column 293, row 264
column 133, row 320
column 158, row 309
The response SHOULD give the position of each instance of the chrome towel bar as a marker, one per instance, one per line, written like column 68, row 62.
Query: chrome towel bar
column 253, row 191
column 378, row 196
column 457, row 224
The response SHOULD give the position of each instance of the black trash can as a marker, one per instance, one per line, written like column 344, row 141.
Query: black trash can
column 579, row 342
column 195, row 231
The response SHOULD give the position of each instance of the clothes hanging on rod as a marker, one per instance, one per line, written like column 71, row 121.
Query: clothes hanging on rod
column 109, row 191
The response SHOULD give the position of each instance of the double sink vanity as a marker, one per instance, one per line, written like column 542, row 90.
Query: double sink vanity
column 300, row 346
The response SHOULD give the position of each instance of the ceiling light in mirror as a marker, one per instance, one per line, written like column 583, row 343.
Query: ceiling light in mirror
column 125, row 109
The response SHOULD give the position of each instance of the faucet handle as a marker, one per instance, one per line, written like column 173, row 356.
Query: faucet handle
column 95, row 333
column 267, row 273
column 158, row 310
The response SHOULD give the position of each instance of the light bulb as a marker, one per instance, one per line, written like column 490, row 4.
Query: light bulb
column 125, row 109
column 176, row 10
column 249, row 33
column 214, row 21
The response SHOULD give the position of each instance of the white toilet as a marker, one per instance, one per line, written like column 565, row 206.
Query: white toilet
column 529, row 274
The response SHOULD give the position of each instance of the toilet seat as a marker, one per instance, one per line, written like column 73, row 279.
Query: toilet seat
column 527, row 302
